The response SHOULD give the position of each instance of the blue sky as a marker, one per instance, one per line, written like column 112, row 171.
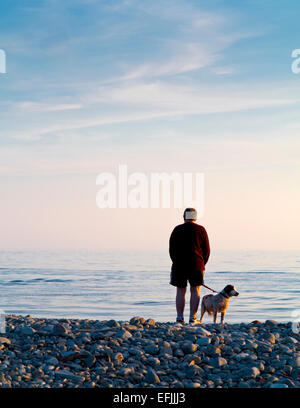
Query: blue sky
column 165, row 85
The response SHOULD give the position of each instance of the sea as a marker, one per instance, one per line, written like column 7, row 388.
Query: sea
column 104, row 285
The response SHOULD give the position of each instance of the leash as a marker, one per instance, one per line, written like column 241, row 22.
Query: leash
column 209, row 288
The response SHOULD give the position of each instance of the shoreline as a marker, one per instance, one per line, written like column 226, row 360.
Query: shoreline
column 140, row 353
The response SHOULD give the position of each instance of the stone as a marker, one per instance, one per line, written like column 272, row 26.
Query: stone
column 123, row 334
column 69, row 355
column 263, row 347
column 154, row 362
column 192, row 371
column 297, row 362
column 4, row 340
column 243, row 384
column 89, row 360
column 68, row 375
column 151, row 349
column 204, row 332
column 137, row 320
column 218, row 362
column 125, row 371
column 292, row 340
column 242, row 356
column 27, row 330
column 48, row 328
column 166, row 348
column 151, row 377
column 52, row 361
column 118, row 358
column 271, row 338
column 203, row 341
column 59, row 330
column 192, row 385
column 112, row 323
column 189, row 347
column 271, row 323
column 150, row 322
column 178, row 353
column 248, row 372
column 135, row 351
column 279, row 385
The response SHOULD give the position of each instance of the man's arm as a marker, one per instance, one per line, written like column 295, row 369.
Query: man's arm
column 205, row 245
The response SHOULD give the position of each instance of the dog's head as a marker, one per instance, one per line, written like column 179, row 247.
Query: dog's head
column 230, row 291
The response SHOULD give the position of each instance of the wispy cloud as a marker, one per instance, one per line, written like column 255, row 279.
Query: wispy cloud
column 129, row 103
column 46, row 107
column 185, row 57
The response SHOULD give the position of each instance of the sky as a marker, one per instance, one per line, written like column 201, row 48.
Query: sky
column 160, row 86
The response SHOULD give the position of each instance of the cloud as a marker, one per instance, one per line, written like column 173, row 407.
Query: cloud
column 188, row 40
column 228, row 154
column 144, row 102
column 185, row 57
column 46, row 107
column 170, row 99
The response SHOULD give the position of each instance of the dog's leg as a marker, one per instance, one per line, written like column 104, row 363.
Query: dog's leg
column 215, row 316
column 202, row 312
column 222, row 317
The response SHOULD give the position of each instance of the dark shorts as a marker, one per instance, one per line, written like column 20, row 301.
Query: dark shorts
column 180, row 279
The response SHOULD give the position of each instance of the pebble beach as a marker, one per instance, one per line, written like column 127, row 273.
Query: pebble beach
column 140, row 353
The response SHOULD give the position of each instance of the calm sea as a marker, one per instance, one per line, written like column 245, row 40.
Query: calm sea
column 121, row 284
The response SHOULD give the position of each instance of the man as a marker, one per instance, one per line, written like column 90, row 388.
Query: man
column 189, row 250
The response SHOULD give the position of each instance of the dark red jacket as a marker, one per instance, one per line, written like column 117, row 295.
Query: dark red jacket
column 189, row 247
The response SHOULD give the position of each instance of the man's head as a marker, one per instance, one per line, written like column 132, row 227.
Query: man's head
column 190, row 215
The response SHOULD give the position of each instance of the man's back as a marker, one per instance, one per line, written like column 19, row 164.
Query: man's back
column 189, row 247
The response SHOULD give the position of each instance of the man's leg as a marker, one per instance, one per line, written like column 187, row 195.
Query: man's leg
column 194, row 301
column 180, row 301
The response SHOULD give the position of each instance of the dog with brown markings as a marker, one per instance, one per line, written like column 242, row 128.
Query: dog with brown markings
column 214, row 304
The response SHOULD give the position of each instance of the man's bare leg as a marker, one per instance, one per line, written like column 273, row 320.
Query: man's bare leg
column 194, row 301
column 180, row 301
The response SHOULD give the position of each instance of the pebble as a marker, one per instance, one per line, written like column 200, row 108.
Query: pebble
column 118, row 357
column 123, row 334
column 271, row 323
column 202, row 331
column 113, row 323
column 66, row 374
column 137, row 320
column 52, row 361
column 4, row 340
column 189, row 347
column 219, row 362
column 203, row 341
column 59, row 330
column 27, row 331
column 278, row 385
column 59, row 353
column 151, row 377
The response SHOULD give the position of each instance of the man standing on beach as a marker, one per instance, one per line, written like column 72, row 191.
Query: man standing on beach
column 189, row 250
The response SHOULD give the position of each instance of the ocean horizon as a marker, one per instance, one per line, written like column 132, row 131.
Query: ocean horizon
column 104, row 285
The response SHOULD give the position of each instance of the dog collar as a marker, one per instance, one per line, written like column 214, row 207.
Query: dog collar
column 224, row 295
